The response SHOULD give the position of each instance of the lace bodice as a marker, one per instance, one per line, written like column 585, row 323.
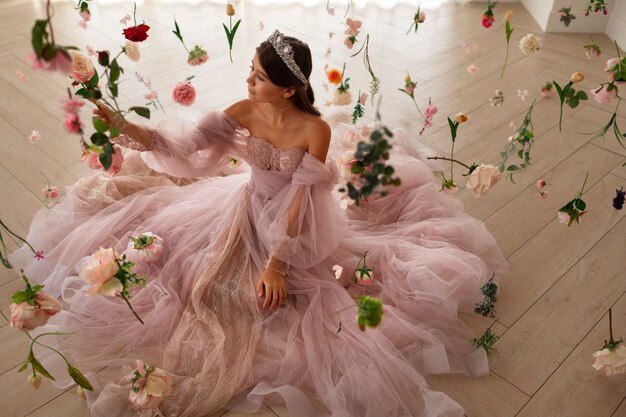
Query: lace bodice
column 267, row 156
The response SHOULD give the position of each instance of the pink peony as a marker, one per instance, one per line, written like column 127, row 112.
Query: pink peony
column 184, row 93
column 27, row 317
column 151, row 388
column 611, row 361
column 99, row 270
column 603, row 95
column 72, row 123
column 149, row 252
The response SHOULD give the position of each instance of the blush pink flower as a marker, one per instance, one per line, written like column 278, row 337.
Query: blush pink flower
column 184, row 93
column 410, row 88
column 99, row 270
column 563, row 217
column 472, row 69
column 364, row 278
column 146, row 248
column 353, row 27
column 34, row 380
column 34, row 137
column 469, row 46
column 152, row 95
column 547, row 92
column 604, row 94
column 82, row 24
column 349, row 42
column 611, row 361
column 149, row 390
column 59, row 62
column 82, row 68
column 483, row 179
column 124, row 20
column 331, row 11
column 20, row 75
column 72, row 105
column 92, row 160
column 363, row 98
column 28, row 317
column 50, row 192
column 72, row 123
column 610, row 64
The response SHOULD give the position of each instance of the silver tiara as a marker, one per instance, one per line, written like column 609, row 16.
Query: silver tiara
column 285, row 52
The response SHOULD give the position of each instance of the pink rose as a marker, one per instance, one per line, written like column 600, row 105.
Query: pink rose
column 99, row 270
column 27, row 317
column 482, row 179
column 472, row 69
column 59, row 62
column 612, row 362
column 563, row 217
column 488, row 21
column 151, row 388
column 184, row 93
column 603, row 95
column 92, row 160
column 146, row 248
column 72, row 123
column 540, row 184
column 348, row 42
column 82, row 68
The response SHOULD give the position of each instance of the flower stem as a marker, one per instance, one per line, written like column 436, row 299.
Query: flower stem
column 580, row 194
column 443, row 158
column 4, row 226
column 230, row 46
column 506, row 58
column 344, row 309
column 48, row 6
column 418, row 108
column 131, row 308
column 452, row 162
column 611, row 340
column 35, row 341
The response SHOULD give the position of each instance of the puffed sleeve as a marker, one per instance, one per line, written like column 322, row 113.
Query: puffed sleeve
column 188, row 148
column 303, row 224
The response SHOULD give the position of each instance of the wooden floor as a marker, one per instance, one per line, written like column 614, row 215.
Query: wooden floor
column 554, row 299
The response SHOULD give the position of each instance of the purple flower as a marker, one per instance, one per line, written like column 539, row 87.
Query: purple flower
column 39, row 254
column 618, row 201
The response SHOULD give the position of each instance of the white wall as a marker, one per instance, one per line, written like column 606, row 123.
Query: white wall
column 539, row 10
column 616, row 29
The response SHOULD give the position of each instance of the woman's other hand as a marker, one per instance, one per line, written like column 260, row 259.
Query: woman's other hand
column 272, row 287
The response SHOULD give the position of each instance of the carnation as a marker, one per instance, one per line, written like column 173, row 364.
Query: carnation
column 530, row 43
column 184, row 93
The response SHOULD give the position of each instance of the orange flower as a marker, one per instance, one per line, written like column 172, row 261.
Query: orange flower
column 334, row 76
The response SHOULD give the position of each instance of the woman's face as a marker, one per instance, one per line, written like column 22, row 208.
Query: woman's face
column 260, row 88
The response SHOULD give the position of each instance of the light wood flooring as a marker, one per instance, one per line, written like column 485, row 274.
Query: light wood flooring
column 554, row 299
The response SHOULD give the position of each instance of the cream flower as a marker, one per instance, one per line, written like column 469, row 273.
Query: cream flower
column 529, row 44
column 82, row 68
column 612, row 362
column 508, row 16
column 364, row 278
column 342, row 98
column 132, row 50
column 577, row 77
column 482, row 179
column 150, row 390
column 100, row 268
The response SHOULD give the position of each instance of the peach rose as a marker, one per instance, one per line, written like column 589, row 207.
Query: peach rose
column 612, row 362
column 82, row 68
column 149, row 391
column 132, row 51
column 482, row 179
column 99, row 270
column 27, row 317
column 139, row 252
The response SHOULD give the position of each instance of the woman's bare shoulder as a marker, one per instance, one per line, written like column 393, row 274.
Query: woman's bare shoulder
column 318, row 138
column 240, row 109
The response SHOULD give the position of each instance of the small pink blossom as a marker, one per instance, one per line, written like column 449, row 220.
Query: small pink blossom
column 20, row 75
column 469, row 46
column 430, row 111
column 348, row 42
column 152, row 95
column 90, row 50
column 39, row 255
column 59, row 62
column 72, row 123
column 472, row 69
column 592, row 53
column 522, row 94
column 92, row 160
column 547, row 92
column 363, row 98
column 82, row 24
column 72, row 105
column 184, row 93
column 603, row 95
column 331, row 11
column 353, row 27
column 540, row 184
column 28, row 317
column 50, row 192
column 124, row 20
column 544, row 194
column 261, row 26
column 34, row 137
column 563, row 217
column 410, row 88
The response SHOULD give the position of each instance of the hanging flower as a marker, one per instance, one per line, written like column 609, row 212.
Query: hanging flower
column 132, row 51
column 334, row 76
column 530, row 44
column 566, row 16
column 20, row 76
column 612, row 358
column 497, row 100
column 472, row 69
column 137, row 33
column 197, row 56
column 34, row 137
column 92, row 160
column 82, row 68
column 575, row 209
column 482, row 179
column 32, row 313
column 547, row 90
column 487, row 15
column 145, row 248
column 34, row 380
column 592, row 51
column 605, row 93
column 184, row 93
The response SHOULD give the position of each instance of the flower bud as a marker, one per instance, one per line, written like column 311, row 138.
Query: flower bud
column 230, row 10
column 103, row 58
column 460, row 118
column 81, row 392
column 421, row 17
column 407, row 78
column 577, row 77
column 508, row 16
column 34, row 380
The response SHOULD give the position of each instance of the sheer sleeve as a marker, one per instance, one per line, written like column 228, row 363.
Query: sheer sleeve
column 303, row 224
column 189, row 148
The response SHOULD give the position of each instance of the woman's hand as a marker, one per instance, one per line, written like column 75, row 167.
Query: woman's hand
column 108, row 115
column 272, row 286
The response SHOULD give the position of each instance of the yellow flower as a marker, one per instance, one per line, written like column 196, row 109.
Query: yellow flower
column 230, row 9
column 461, row 118
column 508, row 16
column 577, row 77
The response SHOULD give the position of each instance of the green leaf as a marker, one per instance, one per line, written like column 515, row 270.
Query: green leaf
column 230, row 42
column 93, row 82
column 513, row 168
column 19, row 297
column 177, row 31
column 114, row 131
column 235, row 28
column 79, row 378
column 114, row 74
column 37, row 37
column 580, row 204
column 99, row 139
column 559, row 90
column 39, row 368
column 573, row 102
column 141, row 111
column 570, row 92
column 581, row 95
column 99, row 124
column 106, row 158
column 83, row 92
column 113, row 89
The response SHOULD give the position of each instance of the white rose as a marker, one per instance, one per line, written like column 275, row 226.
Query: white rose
column 482, row 179
column 529, row 44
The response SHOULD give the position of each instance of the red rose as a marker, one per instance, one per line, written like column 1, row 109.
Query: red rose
column 488, row 21
column 137, row 33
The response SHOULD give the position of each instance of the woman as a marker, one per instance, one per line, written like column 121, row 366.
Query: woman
column 244, row 305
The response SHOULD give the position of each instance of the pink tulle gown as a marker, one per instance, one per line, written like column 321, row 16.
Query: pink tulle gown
column 204, row 324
